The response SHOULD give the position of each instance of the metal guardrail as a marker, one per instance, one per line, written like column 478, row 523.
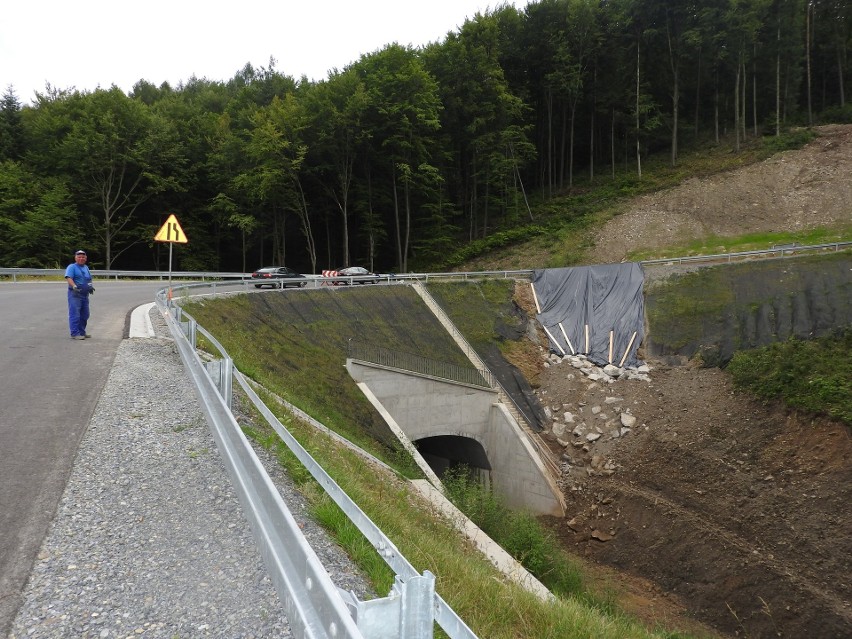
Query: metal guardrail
column 244, row 279
column 786, row 250
column 314, row 606
column 15, row 273
column 420, row 364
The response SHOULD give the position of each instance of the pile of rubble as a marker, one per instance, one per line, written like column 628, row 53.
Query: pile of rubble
column 593, row 419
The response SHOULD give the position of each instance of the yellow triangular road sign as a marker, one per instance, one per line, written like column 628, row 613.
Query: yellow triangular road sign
column 171, row 232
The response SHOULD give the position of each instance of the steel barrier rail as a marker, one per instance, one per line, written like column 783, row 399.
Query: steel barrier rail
column 14, row 273
column 314, row 608
column 244, row 279
column 263, row 509
column 778, row 251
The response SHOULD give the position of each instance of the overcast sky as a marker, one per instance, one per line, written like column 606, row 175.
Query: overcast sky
column 92, row 43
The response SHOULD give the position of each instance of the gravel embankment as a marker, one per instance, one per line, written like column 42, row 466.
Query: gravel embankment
column 149, row 539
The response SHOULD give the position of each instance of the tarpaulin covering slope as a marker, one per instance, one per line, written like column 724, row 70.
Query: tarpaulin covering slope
column 603, row 301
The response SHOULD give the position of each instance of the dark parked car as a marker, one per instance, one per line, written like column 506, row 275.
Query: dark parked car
column 271, row 276
column 361, row 274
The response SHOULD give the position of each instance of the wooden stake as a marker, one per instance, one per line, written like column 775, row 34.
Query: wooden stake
column 621, row 363
column 610, row 347
column 587, row 339
column 566, row 339
column 535, row 299
column 552, row 339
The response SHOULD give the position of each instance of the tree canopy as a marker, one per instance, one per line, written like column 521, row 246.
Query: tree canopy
column 407, row 153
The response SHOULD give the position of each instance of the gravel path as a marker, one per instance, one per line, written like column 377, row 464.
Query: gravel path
column 149, row 539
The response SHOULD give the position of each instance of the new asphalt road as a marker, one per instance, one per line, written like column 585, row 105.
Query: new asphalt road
column 48, row 393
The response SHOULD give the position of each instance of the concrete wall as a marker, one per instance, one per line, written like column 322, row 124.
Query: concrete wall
column 425, row 406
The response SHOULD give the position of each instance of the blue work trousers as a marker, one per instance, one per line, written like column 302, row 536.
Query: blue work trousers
column 78, row 311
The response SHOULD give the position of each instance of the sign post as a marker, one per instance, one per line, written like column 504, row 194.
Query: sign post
column 172, row 233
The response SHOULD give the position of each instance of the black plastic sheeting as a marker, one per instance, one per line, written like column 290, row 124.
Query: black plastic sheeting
column 603, row 301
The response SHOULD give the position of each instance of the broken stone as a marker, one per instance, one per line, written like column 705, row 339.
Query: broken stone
column 578, row 430
column 593, row 437
column 596, row 410
column 613, row 400
column 613, row 371
column 624, row 431
column 569, row 417
column 601, row 536
column 558, row 429
column 628, row 420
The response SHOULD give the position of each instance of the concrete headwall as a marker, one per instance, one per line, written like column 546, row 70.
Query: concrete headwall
column 425, row 406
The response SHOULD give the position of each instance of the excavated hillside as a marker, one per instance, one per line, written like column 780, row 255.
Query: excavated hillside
column 712, row 506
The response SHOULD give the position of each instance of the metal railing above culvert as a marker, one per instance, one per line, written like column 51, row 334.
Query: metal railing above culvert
column 419, row 364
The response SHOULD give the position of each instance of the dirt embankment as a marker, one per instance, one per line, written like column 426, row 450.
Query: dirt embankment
column 791, row 191
column 714, row 506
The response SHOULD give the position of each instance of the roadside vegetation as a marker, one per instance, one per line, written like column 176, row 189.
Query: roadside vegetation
column 814, row 376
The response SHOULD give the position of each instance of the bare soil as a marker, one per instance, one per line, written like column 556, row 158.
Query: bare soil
column 714, row 508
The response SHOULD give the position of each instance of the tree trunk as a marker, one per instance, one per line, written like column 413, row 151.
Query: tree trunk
column 396, row 217
column 571, row 145
column 638, row 153
column 778, row 82
column 737, row 107
column 808, row 10
column 675, row 108
column 612, row 143
column 754, row 91
column 698, row 92
column 592, row 145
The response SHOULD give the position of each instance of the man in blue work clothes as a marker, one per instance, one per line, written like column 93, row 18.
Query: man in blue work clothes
column 79, row 288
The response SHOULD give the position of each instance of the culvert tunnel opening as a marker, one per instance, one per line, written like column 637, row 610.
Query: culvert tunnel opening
column 447, row 452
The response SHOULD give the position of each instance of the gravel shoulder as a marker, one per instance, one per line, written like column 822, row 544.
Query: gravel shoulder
column 149, row 538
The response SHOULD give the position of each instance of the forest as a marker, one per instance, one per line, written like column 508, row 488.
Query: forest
column 408, row 154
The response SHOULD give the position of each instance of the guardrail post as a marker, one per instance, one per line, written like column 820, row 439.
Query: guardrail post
column 189, row 329
column 221, row 373
column 406, row 613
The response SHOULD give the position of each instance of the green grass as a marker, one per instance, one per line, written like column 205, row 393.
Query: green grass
column 814, row 376
column 713, row 245
column 521, row 535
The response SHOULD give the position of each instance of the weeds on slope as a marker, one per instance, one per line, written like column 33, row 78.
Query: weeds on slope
column 810, row 375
